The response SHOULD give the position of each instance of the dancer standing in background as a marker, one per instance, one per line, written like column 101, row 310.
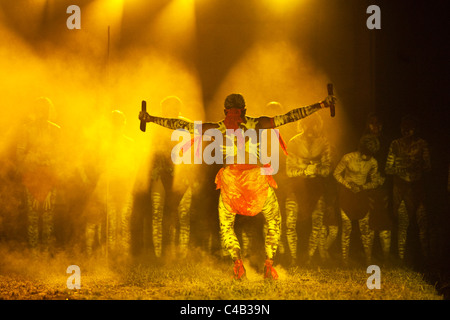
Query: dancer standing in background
column 308, row 164
column 109, row 172
column 356, row 173
column 408, row 161
column 380, row 219
column 38, row 158
column 171, row 192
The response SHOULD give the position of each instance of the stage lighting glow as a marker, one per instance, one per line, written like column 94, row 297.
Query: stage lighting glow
column 282, row 6
column 279, row 71
column 180, row 16
column 103, row 13
column 275, row 70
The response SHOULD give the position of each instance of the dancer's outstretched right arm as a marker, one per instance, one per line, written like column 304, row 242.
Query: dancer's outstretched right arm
column 174, row 123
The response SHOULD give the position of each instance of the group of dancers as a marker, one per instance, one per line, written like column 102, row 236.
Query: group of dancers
column 375, row 185
column 362, row 193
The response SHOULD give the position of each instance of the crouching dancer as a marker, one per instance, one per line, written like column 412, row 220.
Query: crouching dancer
column 246, row 187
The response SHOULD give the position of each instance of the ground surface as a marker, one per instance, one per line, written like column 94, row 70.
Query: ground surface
column 26, row 278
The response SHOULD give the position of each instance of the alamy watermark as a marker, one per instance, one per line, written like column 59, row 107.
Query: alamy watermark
column 239, row 144
column 374, row 21
column 374, row 280
column 74, row 280
column 74, row 20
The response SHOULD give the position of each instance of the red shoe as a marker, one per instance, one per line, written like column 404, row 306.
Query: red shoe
column 269, row 270
column 239, row 270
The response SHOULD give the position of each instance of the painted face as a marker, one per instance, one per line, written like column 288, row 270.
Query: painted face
column 407, row 129
column 233, row 117
column 375, row 126
column 312, row 127
column 171, row 106
column 312, row 131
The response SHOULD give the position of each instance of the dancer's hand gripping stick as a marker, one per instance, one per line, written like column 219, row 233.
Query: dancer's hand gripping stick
column 330, row 93
column 143, row 122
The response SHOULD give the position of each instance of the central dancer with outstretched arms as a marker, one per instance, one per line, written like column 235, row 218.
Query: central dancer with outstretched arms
column 245, row 188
